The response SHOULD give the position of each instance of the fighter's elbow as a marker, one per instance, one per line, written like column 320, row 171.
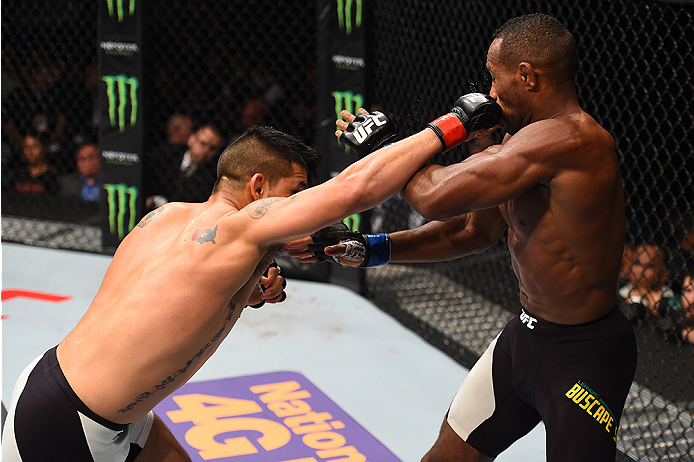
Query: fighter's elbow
column 427, row 197
column 430, row 211
column 483, row 242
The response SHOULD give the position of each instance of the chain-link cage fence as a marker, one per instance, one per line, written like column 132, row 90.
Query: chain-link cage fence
column 211, row 70
column 225, row 65
column 48, row 82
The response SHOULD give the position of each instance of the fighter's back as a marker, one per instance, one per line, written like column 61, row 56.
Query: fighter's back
column 170, row 296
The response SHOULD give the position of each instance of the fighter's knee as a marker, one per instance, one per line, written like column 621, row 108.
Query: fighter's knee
column 450, row 447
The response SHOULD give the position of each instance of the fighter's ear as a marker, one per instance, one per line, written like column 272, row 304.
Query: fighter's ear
column 528, row 75
column 258, row 186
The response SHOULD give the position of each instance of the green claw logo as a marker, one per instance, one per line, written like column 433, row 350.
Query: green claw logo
column 346, row 100
column 121, row 199
column 118, row 98
column 344, row 14
column 353, row 222
column 117, row 9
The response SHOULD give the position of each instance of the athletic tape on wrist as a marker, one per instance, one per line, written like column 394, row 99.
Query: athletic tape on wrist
column 450, row 131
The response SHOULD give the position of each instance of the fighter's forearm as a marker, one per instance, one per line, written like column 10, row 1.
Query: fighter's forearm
column 361, row 186
column 439, row 241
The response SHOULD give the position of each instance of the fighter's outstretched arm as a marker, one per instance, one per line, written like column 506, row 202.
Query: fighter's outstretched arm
column 435, row 241
column 361, row 186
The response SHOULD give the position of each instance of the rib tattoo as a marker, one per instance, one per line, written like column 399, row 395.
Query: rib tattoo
column 164, row 383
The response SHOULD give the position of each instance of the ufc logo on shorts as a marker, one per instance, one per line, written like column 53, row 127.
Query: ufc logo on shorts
column 364, row 130
column 528, row 320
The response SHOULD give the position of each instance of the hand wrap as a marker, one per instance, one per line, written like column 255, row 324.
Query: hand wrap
column 373, row 249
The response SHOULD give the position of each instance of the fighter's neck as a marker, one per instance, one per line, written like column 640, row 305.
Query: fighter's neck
column 561, row 107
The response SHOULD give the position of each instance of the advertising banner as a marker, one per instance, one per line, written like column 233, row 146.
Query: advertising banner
column 273, row 417
column 120, row 107
column 342, row 35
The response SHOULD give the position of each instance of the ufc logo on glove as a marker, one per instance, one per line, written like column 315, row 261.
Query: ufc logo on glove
column 365, row 130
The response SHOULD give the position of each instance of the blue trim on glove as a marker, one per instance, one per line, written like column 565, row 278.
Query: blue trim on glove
column 379, row 249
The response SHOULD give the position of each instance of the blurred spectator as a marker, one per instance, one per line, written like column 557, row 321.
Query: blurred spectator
column 191, row 176
column 33, row 108
column 645, row 279
column 683, row 254
column 267, row 87
column 687, row 235
column 688, row 307
column 178, row 129
column 37, row 177
column 9, row 80
column 253, row 114
column 158, row 161
column 85, row 184
column 676, row 314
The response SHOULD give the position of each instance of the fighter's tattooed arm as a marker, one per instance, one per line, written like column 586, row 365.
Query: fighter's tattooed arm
column 150, row 216
column 260, row 207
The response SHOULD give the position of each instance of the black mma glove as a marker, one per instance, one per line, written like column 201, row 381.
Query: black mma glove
column 373, row 249
column 369, row 132
column 471, row 113
column 262, row 287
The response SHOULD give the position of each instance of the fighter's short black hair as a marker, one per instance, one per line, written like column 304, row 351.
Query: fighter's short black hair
column 542, row 41
column 262, row 149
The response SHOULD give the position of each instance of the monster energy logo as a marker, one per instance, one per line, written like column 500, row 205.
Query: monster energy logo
column 348, row 101
column 117, row 104
column 344, row 14
column 121, row 199
column 118, row 9
column 353, row 222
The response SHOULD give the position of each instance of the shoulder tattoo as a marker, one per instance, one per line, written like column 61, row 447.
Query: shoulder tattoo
column 205, row 235
column 150, row 216
column 259, row 208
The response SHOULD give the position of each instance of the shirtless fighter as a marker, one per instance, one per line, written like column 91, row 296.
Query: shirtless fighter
column 176, row 286
column 569, row 357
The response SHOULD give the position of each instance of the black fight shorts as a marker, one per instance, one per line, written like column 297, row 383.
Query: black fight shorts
column 573, row 378
column 48, row 422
